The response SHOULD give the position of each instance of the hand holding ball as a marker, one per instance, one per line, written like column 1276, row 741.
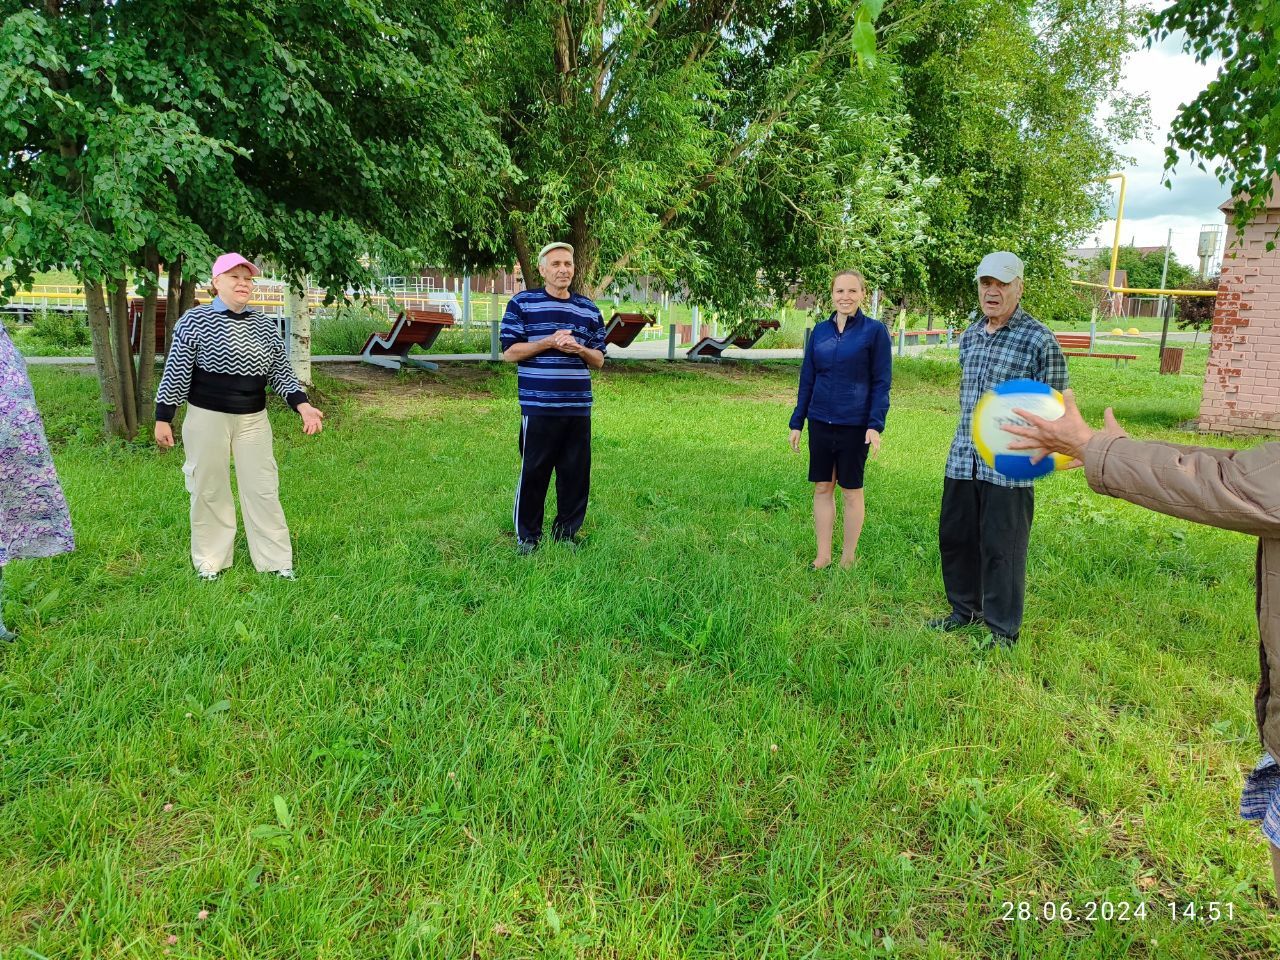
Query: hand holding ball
column 995, row 410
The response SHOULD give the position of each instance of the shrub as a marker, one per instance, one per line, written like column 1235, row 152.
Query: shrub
column 61, row 328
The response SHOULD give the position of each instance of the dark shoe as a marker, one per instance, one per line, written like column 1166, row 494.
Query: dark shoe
column 1000, row 641
column 952, row 622
column 526, row 547
column 573, row 542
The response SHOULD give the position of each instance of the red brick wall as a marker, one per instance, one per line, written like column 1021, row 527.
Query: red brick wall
column 1242, row 381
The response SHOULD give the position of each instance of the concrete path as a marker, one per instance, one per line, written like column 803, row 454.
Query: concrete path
column 657, row 350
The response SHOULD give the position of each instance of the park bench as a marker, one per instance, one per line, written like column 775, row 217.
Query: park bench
column 709, row 348
column 413, row 328
column 135, row 323
column 1078, row 345
column 623, row 328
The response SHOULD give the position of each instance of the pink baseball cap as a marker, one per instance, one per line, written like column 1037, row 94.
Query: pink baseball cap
column 229, row 261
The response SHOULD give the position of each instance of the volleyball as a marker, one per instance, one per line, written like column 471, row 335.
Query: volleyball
column 995, row 410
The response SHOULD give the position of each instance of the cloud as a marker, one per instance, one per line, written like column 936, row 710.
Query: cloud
column 1170, row 79
column 1197, row 195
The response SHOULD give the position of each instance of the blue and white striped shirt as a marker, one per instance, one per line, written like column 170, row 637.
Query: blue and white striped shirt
column 553, row 383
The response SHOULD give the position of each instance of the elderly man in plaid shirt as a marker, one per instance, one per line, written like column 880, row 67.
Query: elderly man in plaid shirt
column 985, row 523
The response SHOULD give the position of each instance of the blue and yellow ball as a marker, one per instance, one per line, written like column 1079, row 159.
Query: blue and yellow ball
column 995, row 409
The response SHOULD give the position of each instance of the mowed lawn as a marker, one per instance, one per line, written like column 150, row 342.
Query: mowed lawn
column 675, row 742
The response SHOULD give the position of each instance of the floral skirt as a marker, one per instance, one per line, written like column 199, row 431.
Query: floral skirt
column 34, row 521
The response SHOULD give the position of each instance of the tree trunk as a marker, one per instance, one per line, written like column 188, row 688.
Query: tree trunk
column 586, row 254
column 147, row 339
column 298, row 309
column 528, row 268
column 173, row 301
column 124, row 356
column 104, row 359
column 188, row 294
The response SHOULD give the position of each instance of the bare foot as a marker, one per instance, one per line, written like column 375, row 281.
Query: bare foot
column 820, row 563
column 847, row 562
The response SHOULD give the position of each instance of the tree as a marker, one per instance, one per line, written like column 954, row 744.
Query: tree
column 329, row 140
column 1142, row 270
column 1196, row 313
column 664, row 138
column 1235, row 120
column 1005, row 100
column 732, row 149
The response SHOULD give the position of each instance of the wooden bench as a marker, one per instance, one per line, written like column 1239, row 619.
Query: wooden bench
column 709, row 348
column 1080, row 345
column 135, row 324
column 413, row 328
column 623, row 328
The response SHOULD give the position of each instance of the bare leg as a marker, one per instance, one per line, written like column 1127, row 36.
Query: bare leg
column 855, row 510
column 6, row 634
column 824, row 520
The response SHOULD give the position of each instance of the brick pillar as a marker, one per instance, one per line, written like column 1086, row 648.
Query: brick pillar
column 1242, row 380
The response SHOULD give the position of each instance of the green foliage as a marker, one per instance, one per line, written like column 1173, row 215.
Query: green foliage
column 1060, row 305
column 61, row 328
column 729, row 150
column 1234, row 123
column 1004, row 100
column 1196, row 313
column 1143, row 269
column 332, row 144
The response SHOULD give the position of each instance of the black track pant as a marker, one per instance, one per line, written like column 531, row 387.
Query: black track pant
column 562, row 444
column 983, row 533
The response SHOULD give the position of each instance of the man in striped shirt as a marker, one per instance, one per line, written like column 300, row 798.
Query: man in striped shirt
column 557, row 338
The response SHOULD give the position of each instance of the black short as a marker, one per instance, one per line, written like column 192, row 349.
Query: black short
column 839, row 448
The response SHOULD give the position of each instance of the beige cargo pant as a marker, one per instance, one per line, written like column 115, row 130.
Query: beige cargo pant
column 210, row 441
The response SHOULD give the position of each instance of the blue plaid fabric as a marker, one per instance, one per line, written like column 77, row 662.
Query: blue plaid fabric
column 1261, row 797
column 1024, row 348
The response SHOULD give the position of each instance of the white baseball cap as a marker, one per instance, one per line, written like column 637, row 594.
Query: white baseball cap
column 1002, row 265
column 559, row 245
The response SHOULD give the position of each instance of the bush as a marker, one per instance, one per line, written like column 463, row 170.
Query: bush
column 1196, row 313
column 344, row 330
column 61, row 328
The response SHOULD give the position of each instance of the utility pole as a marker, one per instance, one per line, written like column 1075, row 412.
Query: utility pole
column 1164, row 274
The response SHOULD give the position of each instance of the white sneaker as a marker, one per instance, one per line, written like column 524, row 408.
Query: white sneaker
column 207, row 575
column 286, row 574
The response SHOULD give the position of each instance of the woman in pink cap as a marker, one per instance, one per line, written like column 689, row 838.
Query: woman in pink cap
column 222, row 358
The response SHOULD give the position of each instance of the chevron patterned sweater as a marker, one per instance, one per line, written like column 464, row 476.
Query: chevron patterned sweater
column 223, row 361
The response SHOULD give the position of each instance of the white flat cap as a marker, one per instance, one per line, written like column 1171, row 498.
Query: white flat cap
column 1002, row 265
column 560, row 245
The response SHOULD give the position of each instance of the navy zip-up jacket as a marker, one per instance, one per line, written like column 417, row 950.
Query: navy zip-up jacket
column 845, row 377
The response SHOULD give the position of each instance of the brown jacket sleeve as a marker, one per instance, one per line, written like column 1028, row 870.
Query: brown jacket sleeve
column 1231, row 489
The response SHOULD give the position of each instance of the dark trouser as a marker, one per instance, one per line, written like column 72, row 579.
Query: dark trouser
column 982, row 535
column 562, row 444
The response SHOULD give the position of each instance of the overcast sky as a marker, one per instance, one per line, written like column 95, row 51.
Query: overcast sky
column 1169, row 78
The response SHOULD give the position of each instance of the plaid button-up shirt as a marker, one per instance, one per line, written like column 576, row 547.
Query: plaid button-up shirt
column 1023, row 348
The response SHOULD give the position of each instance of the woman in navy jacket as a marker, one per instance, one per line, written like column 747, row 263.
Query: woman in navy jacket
column 844, row 394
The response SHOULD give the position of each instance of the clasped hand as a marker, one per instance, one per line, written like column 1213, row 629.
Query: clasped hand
column 564, row 341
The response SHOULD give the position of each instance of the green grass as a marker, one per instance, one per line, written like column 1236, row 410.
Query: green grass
column 429, row 747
